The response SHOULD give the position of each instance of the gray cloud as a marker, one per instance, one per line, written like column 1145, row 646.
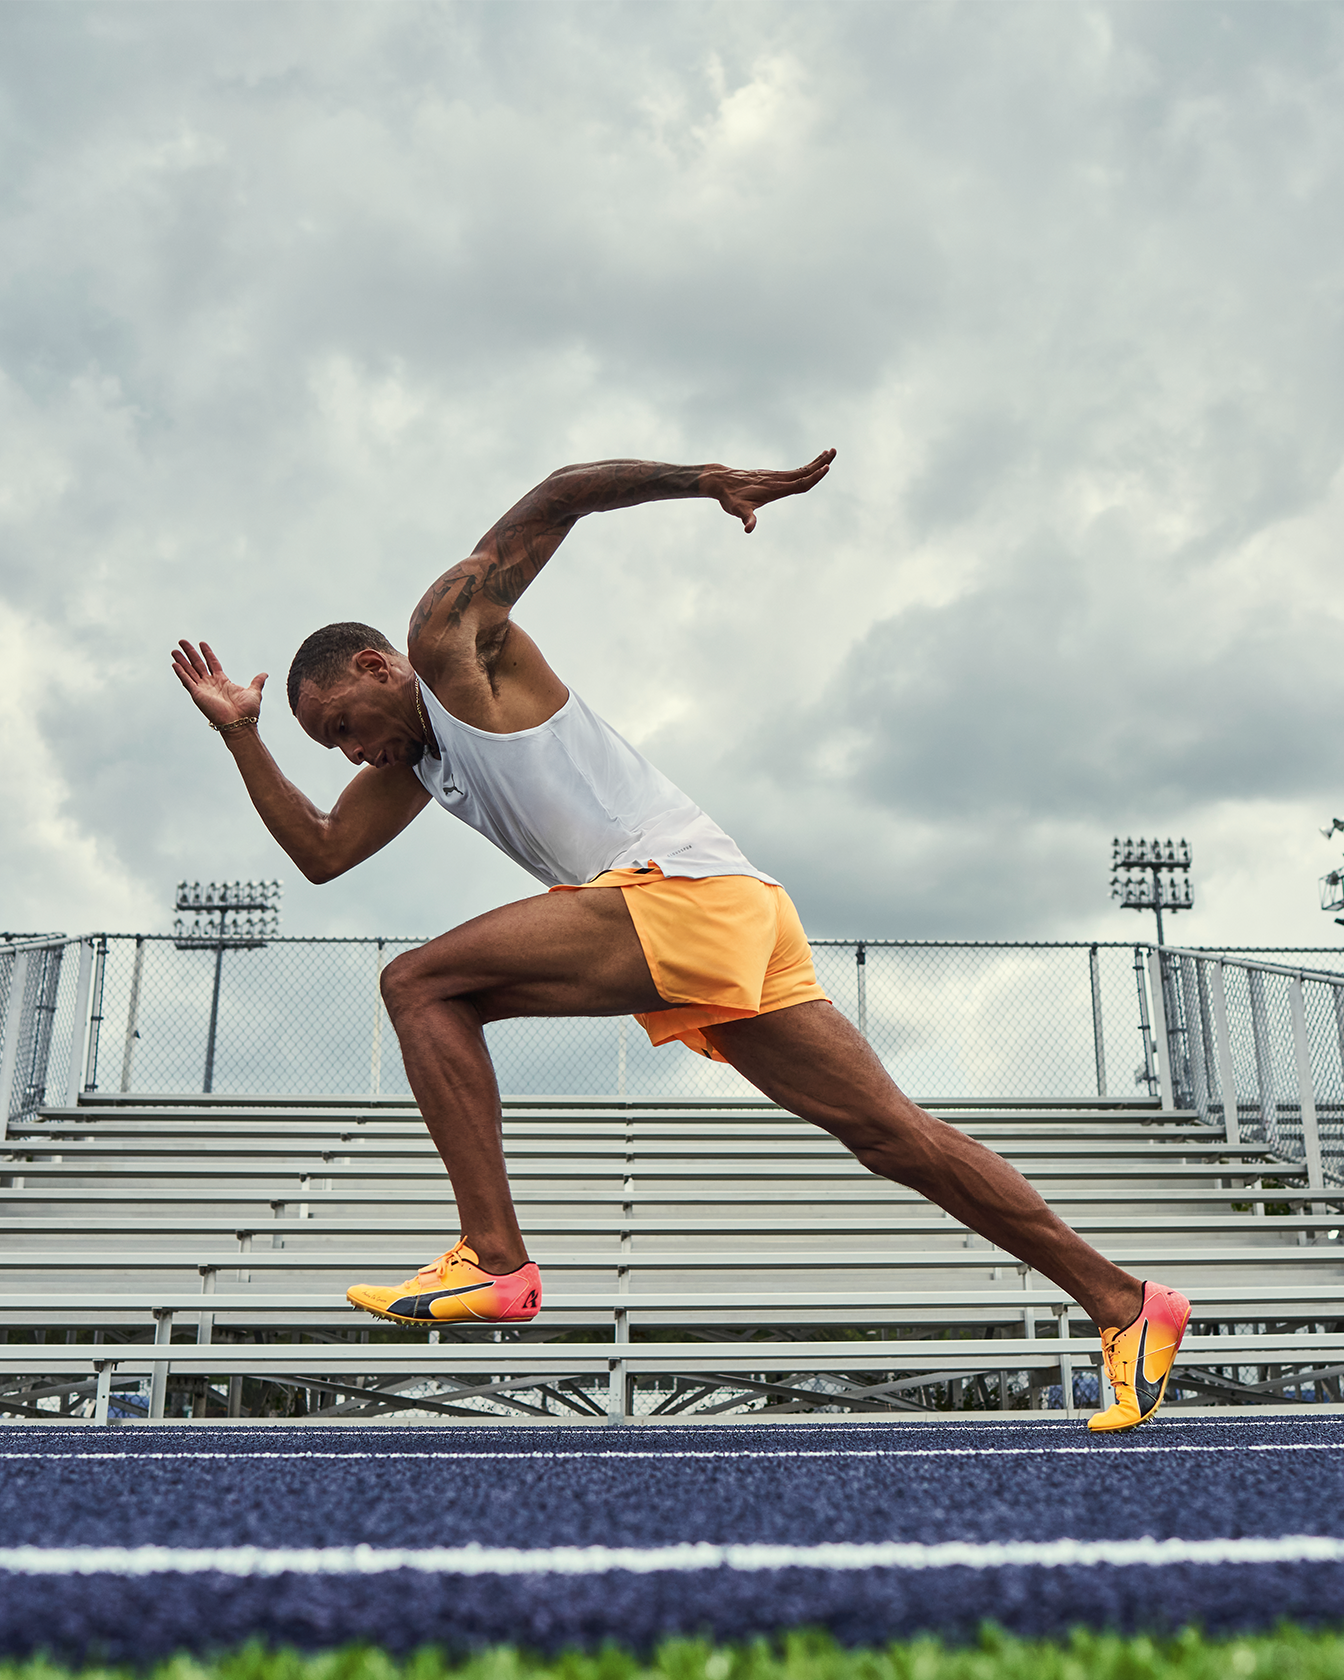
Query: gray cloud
column 296, row 299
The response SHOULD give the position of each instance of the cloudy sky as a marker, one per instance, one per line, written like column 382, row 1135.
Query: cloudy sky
column 297, row 298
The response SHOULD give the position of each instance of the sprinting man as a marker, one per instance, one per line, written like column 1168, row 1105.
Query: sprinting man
column 651, row 910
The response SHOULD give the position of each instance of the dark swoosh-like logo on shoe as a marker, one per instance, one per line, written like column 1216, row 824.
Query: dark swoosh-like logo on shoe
column 420, row 1306
column 1146, row 1392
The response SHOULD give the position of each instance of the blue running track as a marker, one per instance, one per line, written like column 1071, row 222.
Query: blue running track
column 136, row 1543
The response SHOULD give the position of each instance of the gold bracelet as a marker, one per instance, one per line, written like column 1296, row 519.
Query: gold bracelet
column 238, row 723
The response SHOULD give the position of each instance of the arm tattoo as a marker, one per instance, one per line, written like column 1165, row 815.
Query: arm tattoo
column 504, row 584
column 595, row 488
column 530, row 532
column 463, row 600
column 523, row 550
column 464, row 581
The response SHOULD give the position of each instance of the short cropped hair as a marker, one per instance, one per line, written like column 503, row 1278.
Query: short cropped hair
column 324, row 656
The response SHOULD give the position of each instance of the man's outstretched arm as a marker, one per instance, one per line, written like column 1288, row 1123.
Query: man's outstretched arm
column 472, row 601
column 372, row 809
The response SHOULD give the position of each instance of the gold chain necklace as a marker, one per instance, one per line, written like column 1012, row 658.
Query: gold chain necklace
column 424, row 721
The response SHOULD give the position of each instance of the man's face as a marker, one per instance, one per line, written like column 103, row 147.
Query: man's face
column 369, row 714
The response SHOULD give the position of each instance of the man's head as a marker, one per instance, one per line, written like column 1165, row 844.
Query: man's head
column 351, row 689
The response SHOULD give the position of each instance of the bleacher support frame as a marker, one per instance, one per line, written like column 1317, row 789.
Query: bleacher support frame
column 1268, row 1285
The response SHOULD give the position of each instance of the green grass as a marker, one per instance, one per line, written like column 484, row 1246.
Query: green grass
column 1289, row 1654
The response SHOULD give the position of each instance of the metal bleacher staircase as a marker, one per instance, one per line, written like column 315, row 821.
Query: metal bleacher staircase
column 175, row 1257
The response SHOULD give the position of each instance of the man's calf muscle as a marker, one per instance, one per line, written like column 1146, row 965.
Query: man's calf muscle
column 813, row 1062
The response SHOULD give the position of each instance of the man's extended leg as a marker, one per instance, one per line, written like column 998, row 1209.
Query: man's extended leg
column 811, row 1061
column 562, row 954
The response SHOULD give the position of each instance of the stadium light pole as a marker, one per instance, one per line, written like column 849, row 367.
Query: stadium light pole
column 224, row 916
column 1332, row 885
column 1152, row 875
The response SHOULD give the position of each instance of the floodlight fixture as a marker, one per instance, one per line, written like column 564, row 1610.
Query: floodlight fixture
column 1152, row 875
column 1332, row 885
column 234, row 914
column 224, row 916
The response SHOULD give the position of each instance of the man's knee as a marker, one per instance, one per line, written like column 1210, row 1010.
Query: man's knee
column 415, row 981
column 405, row 982
column 901, row 1148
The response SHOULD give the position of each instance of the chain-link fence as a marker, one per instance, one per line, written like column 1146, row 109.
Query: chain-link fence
column 951, row 1019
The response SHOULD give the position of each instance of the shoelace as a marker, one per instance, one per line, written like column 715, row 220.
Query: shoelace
column 433, row 1270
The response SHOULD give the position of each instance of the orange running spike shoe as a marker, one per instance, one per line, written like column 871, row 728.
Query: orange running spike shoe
column 1139, row 1358
column 454, row 1287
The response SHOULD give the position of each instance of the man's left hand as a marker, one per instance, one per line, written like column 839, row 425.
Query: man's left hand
column 741, row 492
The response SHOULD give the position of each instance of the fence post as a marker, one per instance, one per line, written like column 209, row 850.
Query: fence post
column 376, row 1048
column 1264, row 1065
column 1202, row 967
column 9, row 1058
column 1227, row 1081
column 1098, row 1043
column 1337, row 994
column 133, row 1012
column 1161, row 1037
column 1195, row 1054
column 79, row 1027
column 1311, row 1135
column 861, row 978
column 1149, row 1073
column 96, row 1013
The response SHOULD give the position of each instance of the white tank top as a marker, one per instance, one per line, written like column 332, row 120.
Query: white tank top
column 571, row 799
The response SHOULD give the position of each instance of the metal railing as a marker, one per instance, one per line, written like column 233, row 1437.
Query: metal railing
column 49, row 1004
column 949, row 1018
column 1258, row 1047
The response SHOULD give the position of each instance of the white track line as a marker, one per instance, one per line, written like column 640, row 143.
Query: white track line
column 783, row 1453
column 252, row 1561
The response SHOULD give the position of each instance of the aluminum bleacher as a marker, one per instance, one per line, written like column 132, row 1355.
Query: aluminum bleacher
column 177, row 1257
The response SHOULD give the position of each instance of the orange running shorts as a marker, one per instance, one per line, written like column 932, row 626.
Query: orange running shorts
column 721, row 948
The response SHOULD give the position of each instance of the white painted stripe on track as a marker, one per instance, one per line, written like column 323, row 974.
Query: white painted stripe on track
column 751, row 1453
column 265, row 1561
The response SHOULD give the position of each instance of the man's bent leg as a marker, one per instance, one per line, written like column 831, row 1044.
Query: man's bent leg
column 810, row 1060
column 453, row 1080
column 562, row 954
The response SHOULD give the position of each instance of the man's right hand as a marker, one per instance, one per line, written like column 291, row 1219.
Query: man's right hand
column 373, row 808
column 217, row 697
